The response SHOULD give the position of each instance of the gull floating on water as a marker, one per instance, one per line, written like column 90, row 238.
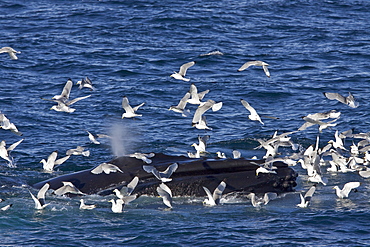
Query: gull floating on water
column 221, row 155
column 214, row 198
column 12, row 53
column 180, row 75
column 349, row 100
column 165, row 192
column 86, row 82
column 48, row 165
column 236, row 154
column 107, row 168
column 256, row 63
column 40, row 199
column 253, row 113
column 84, row 206
column 7, row 125
column 212, row 53
column 163, row 176
column 130, row 112
column 67, row 187
column 347, row 188
column 305, row 201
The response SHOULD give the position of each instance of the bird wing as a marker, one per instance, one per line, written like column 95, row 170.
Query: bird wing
column 267, row 72
column 67, row 89
column 97, row 170
column 217, row 193
column 269, row 196
column 246, row 65
column 336, row 96
column 349, row 186
column 249, row 107
column 202, row 94
column 41, row 194
column 309, row 194
column 138, row 106
column 37, row 202
column 185, row 67
column 168, row 172
column 210, row 196
column 183, row 101
column 132, row 185
column 76, row 99
column 126, row 105
column 152, row 169
column 166, row 194
column 201, row 110
column 14, row 145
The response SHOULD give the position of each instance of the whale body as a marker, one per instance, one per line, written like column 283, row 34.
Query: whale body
column 191, row 174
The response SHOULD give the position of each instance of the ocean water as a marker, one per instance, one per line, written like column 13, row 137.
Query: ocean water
column 130, row 48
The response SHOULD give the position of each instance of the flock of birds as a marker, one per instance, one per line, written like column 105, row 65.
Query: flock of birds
column 313, row 159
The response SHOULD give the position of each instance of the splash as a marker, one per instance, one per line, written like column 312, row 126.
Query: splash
column 123, row 139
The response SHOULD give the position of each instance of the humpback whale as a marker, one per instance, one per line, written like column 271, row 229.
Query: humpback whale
column 188, row 180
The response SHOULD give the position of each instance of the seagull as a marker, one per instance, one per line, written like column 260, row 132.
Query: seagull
column 143, row 157
column 86, row 82
column 64, row 107
column 264, row 170
column 338, row 143
column 180, row 75
column 267, row 197
column 180, row 107
column 305, row 201
column 202, row 124
column 195, row 97
column 201, row 147
column 343, row 193
column 349, row 100
column 79, row 150
column 197, row 118
column 67, row 187
column 4, row 152
column 163, row 176
column 236, row 154
column 365, row 173
column 256, row 63
column 165, row 192
column 106, row 168
column 194, row 156
column 12, row 53
column 84, row 206
column 6, row 207
column 127, row 190
column 253, row 113
column 322, row 125
column 130, row 111
column 7, row 125
column 117, row 206
column 92, row 138
column 52, row 161
column 40, row 200
column 214, row 199
column 221, row 155
column 64, row 96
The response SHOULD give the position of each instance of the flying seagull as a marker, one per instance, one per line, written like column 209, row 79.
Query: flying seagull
column 48, row 165
column 67, row 187
column 349, row 100
column 12, row 53
column 180, row 107
column 7, row 125
column 163, row 176
column 256, row 63
column 130, row 112
column 253, row 113
column 106, row 168
column 86, row 82
column 180, row 75
column 165, row 192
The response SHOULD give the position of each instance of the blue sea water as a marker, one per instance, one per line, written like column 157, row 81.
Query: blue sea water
column 130, row 48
